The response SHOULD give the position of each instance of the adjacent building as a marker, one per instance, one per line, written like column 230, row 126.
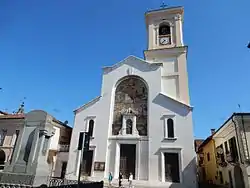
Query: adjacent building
column 229, row 146
column 207, row 161
column 10, row 127
column 34, row 148
column 232, row 141
column 59, row 148
column 142, row 121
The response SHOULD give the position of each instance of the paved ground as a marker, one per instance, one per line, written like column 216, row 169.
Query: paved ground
column 211, row 186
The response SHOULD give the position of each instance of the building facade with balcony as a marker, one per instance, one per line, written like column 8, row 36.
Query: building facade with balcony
column 232, row 141
column 34, row 146
column 206, row 167
column 59, row 148
column 10, row 127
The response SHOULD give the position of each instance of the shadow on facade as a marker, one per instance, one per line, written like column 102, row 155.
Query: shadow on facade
column 170, row 104
column 187, row 176
column 238, row 177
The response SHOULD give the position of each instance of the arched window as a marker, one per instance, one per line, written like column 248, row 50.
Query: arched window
column 164, row 34
column 164, row 29
column 170, row 124
column 131, row 93
column 91, row 127
column 129, row 126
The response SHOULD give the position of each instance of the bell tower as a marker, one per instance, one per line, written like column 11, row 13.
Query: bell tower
column 164, row 28
column 165, row 45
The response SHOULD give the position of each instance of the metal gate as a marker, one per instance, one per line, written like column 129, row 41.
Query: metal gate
column 123, row 166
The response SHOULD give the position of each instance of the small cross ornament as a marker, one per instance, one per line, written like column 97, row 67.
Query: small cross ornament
column 163, row 5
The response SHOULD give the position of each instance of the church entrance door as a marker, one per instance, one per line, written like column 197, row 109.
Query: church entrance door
column 127, row 159
column 87, row 162
column 172, row 173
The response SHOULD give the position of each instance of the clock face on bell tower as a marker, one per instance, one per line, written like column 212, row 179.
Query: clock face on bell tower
column 164, row 40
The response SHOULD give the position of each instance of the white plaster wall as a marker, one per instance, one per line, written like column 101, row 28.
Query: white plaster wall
column 144, row 160
column 158, row 106
column 55, row 139
column 111, row 156
column 169, row 86
column 169, row 65
column 184, row 141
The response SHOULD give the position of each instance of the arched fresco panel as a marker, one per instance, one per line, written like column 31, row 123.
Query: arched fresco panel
column 131, row 93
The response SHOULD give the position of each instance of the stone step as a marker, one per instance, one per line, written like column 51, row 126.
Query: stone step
column 140, row 184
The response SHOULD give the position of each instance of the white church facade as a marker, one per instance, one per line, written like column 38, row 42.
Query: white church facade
column 142, row 121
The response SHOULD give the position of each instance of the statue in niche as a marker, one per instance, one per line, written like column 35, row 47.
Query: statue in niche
column 132, row 94
column 129, row 126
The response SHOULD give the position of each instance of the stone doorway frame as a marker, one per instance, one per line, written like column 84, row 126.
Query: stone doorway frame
column 136, row 142
column 162, row 162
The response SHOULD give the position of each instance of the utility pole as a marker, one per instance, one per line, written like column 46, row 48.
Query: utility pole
column 83, row 145
column 80, row 147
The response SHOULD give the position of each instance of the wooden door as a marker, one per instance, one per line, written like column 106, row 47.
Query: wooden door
column 63, row 172
column 123, row 165
column 127, row 159
column 87, row 162
column 172, row 172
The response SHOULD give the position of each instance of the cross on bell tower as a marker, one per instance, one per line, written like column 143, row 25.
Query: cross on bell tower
column 163, row 5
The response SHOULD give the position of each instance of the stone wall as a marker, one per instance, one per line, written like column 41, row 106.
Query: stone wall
column 3, row 185
column 62, row 184
column 9, row 178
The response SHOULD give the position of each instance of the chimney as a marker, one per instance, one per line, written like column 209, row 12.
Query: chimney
column 212, row 131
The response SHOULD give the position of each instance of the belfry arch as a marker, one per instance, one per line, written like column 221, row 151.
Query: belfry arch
column 131, row 94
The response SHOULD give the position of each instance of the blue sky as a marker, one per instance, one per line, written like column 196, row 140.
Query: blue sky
column 51, row 52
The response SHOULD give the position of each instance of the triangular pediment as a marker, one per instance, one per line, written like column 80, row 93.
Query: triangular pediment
column 135, row 62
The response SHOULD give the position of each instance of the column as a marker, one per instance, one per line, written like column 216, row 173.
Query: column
column 134, row 126
column 17, row 147
column 34, row 146
column 156, row 43
column 117, row 160
column 34, row 150
column 162, row 167
column 138, row 160
column 173, row 34
column 123, row 131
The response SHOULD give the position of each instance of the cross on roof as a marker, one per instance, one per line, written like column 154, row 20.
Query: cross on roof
column 163, row 5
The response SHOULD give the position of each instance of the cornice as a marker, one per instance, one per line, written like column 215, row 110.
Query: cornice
column 87, row 105
column 130, row 58
column 166, row 51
